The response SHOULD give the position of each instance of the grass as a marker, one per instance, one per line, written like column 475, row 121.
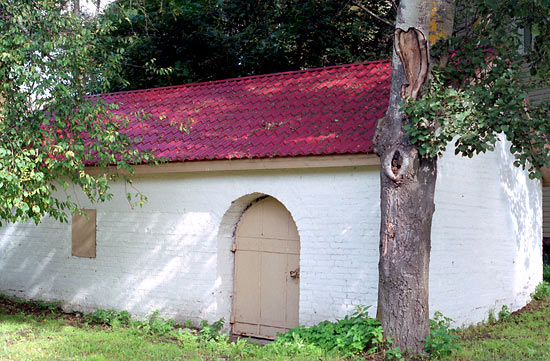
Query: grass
column 525, row 335
column 25, row 338
column 37, row 331
column 28, row 339
column 40, row 331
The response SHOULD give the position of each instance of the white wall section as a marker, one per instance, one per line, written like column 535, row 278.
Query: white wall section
column 174, row 254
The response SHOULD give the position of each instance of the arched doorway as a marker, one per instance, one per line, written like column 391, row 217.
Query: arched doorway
column 267, row 274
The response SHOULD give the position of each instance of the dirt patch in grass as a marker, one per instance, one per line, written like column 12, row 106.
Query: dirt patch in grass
column 523, row 335
column 486, row 331
column 533, row 306
column 13, row 306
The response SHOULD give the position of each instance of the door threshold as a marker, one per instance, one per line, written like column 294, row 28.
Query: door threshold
column 251, row 339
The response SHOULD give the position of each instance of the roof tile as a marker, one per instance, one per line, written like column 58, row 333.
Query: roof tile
column 324, row 111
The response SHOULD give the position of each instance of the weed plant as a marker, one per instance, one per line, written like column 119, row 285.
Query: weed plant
column 40, row 331
column 542, row 291
column 442, row 340
column 504, row 313
column 111, row 318
column 546, row 273
column 350, row 335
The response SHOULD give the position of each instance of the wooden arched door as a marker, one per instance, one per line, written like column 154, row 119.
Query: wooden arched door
column 267, row 273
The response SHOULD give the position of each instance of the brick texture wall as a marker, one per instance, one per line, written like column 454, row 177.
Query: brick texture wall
column 173, row 254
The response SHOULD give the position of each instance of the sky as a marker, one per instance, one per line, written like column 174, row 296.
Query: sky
column 90, row 6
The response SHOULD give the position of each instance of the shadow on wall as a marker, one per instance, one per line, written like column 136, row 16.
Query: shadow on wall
column 23, row 274
column 145, row 262
column 181, row 265
column 525, row 201
column 174, row 255
column 485, row 235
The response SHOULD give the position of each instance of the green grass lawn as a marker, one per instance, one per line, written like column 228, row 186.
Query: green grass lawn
column 524, row 336
column 30, row 331
column 24, row 337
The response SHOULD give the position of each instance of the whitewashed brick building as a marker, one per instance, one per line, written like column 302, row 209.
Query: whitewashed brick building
column 216, row 240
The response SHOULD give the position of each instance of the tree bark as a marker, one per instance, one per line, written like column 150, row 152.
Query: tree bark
column 76, row 7
column 407, row 180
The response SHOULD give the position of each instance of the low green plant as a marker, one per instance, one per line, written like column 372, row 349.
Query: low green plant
column 394, row 354
column 442, row 340
column 542, row 291
column 155, row 325
column 294, row 349
column 189, row 324
column 54, row 307
column 546, row 273
column 210, row 331
column 350, row 335
column 491, row 319
column 504, row 313
column 110, row 317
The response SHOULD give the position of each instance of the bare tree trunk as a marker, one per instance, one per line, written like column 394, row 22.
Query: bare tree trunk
column 407, row 180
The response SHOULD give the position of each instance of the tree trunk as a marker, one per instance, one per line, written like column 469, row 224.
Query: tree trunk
column 76, row 7
column 407, row 180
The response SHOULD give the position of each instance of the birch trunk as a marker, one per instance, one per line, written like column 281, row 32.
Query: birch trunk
column 407, row 180
column 76, row 7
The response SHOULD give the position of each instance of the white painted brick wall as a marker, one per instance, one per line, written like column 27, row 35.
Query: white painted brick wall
column 486, row 236
column 174, row 255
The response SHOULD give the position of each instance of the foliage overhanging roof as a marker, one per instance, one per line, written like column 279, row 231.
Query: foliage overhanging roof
column 323, row 111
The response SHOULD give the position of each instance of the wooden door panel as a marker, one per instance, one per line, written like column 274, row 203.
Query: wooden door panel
column 273, row 289
column 250, row 225
column 246, row 298
column 266, row 296
column 248, row 243
column 270, row 332
column 275, row 219
column 246, row 329
column 293, row 291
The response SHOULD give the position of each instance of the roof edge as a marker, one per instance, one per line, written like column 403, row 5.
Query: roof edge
column 299, row 162
column 244, row 78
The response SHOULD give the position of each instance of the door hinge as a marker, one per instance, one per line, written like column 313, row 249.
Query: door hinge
column 234, row 247
column 232, row 320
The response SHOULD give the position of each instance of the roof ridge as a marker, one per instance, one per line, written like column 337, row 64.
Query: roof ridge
column 244, row 78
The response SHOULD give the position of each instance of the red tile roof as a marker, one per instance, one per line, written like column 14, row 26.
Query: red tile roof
column 323, row 111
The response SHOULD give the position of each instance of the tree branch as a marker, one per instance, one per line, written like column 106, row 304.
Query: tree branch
column 389, row 23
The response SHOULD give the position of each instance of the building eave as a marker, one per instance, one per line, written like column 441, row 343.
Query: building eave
column 304, row 162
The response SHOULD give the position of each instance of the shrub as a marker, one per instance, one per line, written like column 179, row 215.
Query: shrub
column 155, row 325
column 54, row 307
column 351, row 335
column 394, row 354
column 504, row 313
column 109, row 317
column 546, row 273
column 541, row 291
column 442, row 340
column 210, row 331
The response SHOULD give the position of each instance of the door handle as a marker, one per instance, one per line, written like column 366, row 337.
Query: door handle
column 295, row 273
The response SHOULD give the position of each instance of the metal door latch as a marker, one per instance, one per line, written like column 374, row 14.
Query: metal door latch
column 295, row 273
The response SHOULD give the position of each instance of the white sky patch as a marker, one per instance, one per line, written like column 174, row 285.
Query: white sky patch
column 90, row 6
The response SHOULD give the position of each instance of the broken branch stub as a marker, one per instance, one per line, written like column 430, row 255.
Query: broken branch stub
column 412, row 48
column 397, row 163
